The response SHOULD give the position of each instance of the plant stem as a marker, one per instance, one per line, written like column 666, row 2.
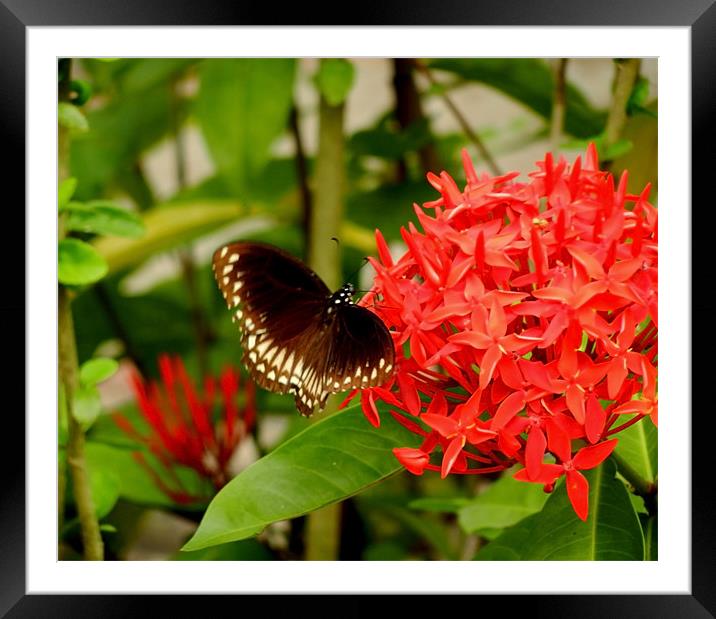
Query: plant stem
column 645, row 489
column 627, row 74
column 558, row 103
column 68, row 370
column 327, row 213
column 69, row 375
column 323, row 525
column 462, row 121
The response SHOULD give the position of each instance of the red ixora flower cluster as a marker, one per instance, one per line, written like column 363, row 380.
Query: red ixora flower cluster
column 197, row 430
column 524, row 317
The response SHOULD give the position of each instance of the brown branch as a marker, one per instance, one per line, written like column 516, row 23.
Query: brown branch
column 408, row 111
column 559, row 103
column 627, row 74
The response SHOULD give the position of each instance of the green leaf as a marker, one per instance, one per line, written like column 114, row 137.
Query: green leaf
column 102, row 217
column 121, row 130
column 529, row 81
column 504, row 503
column 638, row 96
column 70, row 117
column 428, row 529
column 611, row 532
column 388, row 141
column 334, row 79
column 107, row 528
column 331, row 460
column 87, row 405
column 166, row 227
column 65, row 192
column 244, row 550
column 97, row 370
column 650, row 526
column 135, row 484
column 638, row 446
column 243, row 106
column 105, row 486
column 79, row 263
column 146, row 73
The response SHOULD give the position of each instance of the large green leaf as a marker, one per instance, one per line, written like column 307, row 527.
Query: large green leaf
column 638, row 446
column 243, row 106
column 611, row 533
column 504, row 503
column 331, row 460
column 529, row 81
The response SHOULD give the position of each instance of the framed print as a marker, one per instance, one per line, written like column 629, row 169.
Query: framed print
column 372, row 307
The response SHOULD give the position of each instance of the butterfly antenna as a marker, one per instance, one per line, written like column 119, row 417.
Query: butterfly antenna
column 354, row 273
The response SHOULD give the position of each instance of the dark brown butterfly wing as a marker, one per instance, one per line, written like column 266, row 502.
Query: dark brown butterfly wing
column 291, row 341
column 362, row 352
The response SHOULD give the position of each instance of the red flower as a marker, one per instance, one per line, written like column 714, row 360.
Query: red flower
column 524, row 318
column 577, row 484
column 185, row 428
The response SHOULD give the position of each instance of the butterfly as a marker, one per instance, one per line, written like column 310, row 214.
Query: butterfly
column 297, row 336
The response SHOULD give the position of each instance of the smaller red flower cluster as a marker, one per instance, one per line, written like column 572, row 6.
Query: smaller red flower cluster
column 185, row 428
column 524, row 317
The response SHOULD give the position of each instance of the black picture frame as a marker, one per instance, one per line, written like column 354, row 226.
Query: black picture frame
column 17, row 15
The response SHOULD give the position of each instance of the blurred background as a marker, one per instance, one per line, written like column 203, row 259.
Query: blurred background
column 200, row 152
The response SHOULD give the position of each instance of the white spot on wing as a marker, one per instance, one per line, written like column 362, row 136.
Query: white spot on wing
column 233, row 258
column 224, row 251
column 227, row 269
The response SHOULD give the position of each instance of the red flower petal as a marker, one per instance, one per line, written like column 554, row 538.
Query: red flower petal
column 412, row 459
column 451, row 454
column 446, row 426
column 590, row 457
column 578, row 493
column 547, row 474
column 510, row 406
column 595, row 418
column 489, row 362
column 534, row 452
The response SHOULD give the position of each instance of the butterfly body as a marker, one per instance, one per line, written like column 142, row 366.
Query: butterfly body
column 297, row 336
